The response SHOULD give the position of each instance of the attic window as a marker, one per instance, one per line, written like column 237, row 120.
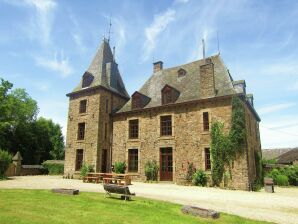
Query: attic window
column 87, row 79
column 139, row 100
column 181, row 72
column 169, row 95
column 136, row 101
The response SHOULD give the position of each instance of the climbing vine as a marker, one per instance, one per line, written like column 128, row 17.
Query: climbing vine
column 225, row 147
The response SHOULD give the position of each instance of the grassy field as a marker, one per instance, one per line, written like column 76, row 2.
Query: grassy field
column 41, row 206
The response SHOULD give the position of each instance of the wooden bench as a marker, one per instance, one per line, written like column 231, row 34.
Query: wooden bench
column 116, row 189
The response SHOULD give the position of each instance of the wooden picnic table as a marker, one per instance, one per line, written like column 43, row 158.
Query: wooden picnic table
column 118, row 178
column 93, row 177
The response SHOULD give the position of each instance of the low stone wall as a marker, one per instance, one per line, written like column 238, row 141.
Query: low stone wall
column 27, row 170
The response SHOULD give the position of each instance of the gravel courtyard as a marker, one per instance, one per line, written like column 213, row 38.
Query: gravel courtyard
column 280, row 207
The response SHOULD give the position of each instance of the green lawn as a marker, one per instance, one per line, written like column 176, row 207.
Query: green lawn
column 42, row 206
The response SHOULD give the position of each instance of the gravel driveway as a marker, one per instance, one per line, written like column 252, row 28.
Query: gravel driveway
column 280, row 207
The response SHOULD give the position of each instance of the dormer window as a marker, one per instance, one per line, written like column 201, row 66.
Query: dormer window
column 181, row 73
column 169, row 95
column 139, row 100
column 136, row 102
column 87, row 80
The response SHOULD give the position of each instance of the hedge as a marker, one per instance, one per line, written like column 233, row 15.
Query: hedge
column 54, row 167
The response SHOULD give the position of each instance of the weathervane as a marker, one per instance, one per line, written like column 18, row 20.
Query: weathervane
column 110, row 25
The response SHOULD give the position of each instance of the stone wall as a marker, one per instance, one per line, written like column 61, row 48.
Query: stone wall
column 188, row 139
column 95, row 119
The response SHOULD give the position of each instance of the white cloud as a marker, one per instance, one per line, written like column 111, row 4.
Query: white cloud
column 281, row 132
column 78, row 40
column 41, row 25
column 56, row 64
column 275, row 108
column 160, row 23
column 180, row 1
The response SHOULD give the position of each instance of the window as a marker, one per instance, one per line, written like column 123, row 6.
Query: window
column 133, row 160
column 83, row 106
column 166, row 125
column 134, row 128
column 181, row 73
column 136, row 102
column 107, row 105
column 87, row 79
column 79, row 159
column 81, row 131
column 106, row 130
column 169, row 94
column 207, row 159
column 205, row 121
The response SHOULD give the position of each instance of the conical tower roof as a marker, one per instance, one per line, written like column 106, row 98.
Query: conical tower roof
column 103, row 71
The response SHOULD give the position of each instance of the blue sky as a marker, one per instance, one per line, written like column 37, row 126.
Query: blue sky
column 45, row 47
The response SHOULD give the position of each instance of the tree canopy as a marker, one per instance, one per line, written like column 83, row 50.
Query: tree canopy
column 20, row 130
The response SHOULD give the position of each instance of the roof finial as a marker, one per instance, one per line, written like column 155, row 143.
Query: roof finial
column 110, row 25
column 203, row 42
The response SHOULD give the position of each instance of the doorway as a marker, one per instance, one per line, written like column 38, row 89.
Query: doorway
column 166, row 164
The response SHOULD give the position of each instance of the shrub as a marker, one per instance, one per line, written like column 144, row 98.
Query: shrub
column 282, row 180
column 151, row 170
column 86, row 168
column 120, row 167
column 54, row 167
column 199, row 178
column 5, row 160
column 292, row 173
column 273, row 174
column 190, row 172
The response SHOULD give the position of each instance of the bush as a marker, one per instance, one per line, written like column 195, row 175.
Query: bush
column 292, row 173
column 151, row 170
column 190, row 172
column 54, row 167
column 5, row 160
column 120, row 167
column 199, row 178
column 282, row 180
column 86, row 168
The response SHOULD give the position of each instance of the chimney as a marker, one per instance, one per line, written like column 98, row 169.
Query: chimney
column 157, row 66
column 207, row 80
column 250, row 99
column 240, row 86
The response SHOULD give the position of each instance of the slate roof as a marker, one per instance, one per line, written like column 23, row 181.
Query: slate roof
column 288, row 157
column 188, row 85
column 105, row 72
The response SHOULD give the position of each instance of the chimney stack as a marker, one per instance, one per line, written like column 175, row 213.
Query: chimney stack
column 157, row 66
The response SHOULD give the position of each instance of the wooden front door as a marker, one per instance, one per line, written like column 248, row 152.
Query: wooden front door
column 166, row 164
column 104, row 159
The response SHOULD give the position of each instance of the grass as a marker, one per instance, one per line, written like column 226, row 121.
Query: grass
column 42, row 206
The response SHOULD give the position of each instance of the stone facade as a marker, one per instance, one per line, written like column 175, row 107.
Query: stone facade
column 188, row 139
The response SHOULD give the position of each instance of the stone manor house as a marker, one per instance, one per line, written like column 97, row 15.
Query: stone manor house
column 167, row 120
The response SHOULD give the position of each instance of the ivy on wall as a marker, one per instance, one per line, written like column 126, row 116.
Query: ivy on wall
column 226, row 147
